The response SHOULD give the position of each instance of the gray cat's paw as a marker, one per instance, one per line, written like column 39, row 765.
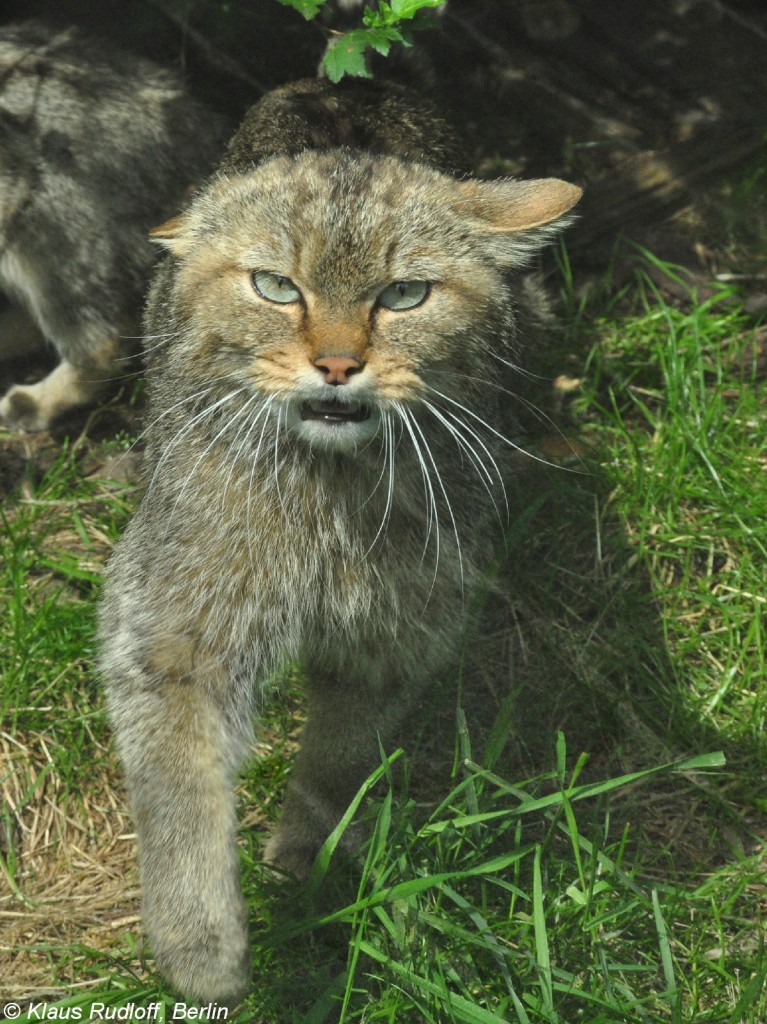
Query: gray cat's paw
column 35, row 406
column 290, row 858
column 20, row 409
column 294, row 846
column 209, row 969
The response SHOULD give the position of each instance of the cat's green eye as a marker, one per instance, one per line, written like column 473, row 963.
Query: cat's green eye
column 404, row 295
column 275, row 287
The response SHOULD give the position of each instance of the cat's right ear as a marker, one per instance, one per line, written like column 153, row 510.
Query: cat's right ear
column 510, row 204
column 518, row 217
column 171, row 235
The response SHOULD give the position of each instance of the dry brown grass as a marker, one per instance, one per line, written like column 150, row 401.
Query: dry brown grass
column 71, row 879
column 69, row 899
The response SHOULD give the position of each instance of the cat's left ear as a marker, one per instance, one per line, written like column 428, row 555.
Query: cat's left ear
column 521, row 215
column 171, row 235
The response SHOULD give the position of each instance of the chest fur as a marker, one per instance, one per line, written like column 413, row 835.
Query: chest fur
column 289, row 561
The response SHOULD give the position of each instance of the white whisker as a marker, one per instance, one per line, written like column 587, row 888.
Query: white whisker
column 388, row 446
column 167, row 412
column 249, row 503
column 190, row 475
column 432, row 513
column 383, row 441
column 482, row 472
column 147, row 348
column 498, row 434
column 444, row 491
column 276, row 466
column 247, row 426
column 521, row 369
column 540, row 415
column 207, row 411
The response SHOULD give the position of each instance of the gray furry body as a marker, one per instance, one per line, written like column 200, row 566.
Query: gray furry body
column 333, row 331
column 96, row 146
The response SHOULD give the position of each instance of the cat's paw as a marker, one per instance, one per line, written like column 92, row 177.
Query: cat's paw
column 294, row 846
column 289, row 857
column 212, row 967
column 20, row 409
column 35, row 406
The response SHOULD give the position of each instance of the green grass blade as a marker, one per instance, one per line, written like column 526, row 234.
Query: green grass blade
column 542, row 955
column 672, row 990
column 460, row 1009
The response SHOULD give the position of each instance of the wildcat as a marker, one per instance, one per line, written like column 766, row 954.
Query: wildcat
column 328, row 436
column 96, row 146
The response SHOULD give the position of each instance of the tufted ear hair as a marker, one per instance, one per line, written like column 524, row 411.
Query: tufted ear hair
column 171, row 235
column 519, row 216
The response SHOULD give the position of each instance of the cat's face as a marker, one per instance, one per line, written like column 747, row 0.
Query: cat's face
column 336, row 286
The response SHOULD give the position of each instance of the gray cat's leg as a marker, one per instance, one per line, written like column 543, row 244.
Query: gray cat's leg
column 36, row 406
column 181, row 747
column 19, row 334
column 339, row 749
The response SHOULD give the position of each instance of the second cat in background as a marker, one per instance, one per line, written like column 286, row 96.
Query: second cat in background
column 96, row 147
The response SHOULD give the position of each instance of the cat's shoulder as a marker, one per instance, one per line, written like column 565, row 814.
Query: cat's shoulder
column 375, row 116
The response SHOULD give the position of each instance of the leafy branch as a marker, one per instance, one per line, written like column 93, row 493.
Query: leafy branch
column 392, row 22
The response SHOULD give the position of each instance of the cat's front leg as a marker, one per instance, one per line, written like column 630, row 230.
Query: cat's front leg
column 340, row 747
column 89, row 366
column 180, row 748
column 35, row 407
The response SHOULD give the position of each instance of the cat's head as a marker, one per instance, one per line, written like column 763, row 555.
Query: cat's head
column 334, row 285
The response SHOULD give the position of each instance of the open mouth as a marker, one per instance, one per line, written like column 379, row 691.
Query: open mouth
column 331, row 411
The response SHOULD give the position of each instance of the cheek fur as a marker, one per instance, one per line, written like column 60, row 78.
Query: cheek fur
column 226, row 319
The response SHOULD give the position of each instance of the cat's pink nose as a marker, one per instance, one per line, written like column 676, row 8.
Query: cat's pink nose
column 338, row 369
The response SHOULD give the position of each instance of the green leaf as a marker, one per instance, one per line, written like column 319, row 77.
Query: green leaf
column 322, row 860
column 347, row 56
column 308, row 8
column 406, row 9
column 382, row 16
column 413, row 886
column 590, row 790
column 68, row 565
column 382, row 38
